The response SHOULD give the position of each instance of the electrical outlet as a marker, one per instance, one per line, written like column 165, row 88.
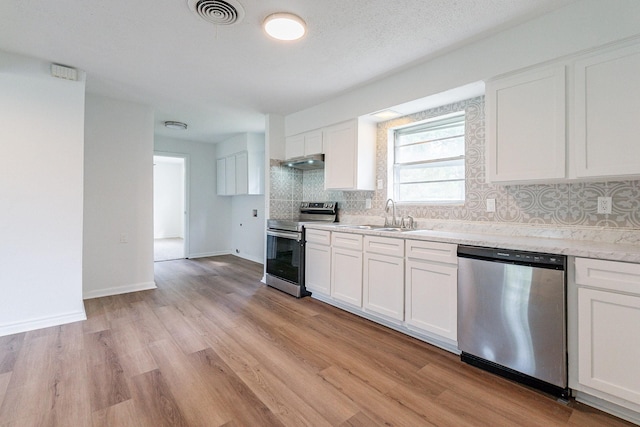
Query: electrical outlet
column 124, row 238
column 491, row 205
column 604, row 205
column 367, row 203
column 380, row 184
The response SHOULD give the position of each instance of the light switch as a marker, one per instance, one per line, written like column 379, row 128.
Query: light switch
column 367, row 203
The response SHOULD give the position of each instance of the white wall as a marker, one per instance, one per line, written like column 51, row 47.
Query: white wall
column 209, row 216
column 118, row 197
column 168, row 197
column 579, row 26
column 247, row 231
column 41, row 196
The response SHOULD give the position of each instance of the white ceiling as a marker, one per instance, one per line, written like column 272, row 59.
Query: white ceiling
column 221, row 80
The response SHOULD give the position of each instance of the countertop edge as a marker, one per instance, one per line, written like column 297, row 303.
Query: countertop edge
column 576, row 248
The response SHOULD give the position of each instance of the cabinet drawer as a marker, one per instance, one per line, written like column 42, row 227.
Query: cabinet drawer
column 347, row 241
column 612, row 275
column 432, row 251
column 318, row 236
column 384, row 245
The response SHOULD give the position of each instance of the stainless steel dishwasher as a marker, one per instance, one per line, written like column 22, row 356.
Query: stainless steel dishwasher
column 512, row 315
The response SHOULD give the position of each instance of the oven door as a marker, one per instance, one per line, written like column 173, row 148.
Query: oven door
column 285, row 258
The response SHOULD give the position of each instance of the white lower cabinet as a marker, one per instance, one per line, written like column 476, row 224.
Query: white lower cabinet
column 346, row 268
column 407, row 285
column 431, row 281
column 609, row 330
column 318, row 261
column 383, row 288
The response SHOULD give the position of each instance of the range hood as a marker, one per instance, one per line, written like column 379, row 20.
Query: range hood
column 315, row 161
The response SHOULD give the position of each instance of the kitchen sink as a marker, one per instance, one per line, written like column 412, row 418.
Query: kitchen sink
column 396, row 229
column 373, row 228
column 359, row 227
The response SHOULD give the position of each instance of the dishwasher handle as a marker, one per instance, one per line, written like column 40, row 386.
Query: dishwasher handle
column 510, row 256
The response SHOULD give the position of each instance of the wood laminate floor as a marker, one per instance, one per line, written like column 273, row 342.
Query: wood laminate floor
column 212, row 346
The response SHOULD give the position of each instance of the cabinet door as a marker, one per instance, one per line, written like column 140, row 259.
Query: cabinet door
column 318, row 268
column 384, row 285
column 526, row 126
column 313, row 143
column 431, row 298
column 294, row 146
column 230, row 175
column 608, row 344
column 340, row 144
column 221, row 177
column 346, row 276
column 607, row 112
column 242, row 173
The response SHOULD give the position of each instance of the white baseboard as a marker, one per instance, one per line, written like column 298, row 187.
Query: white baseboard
column 135, row 287
column 208, row 254
column 250, row 258
column 43, row 322
column 443, row 343
column 609, row 407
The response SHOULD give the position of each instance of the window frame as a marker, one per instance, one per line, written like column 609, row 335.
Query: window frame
column 393, row 184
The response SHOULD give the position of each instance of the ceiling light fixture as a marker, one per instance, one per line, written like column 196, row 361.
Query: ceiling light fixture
column 284, row 26
column 175, row 125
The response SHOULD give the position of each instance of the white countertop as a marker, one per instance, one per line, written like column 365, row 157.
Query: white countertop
column 628, row 252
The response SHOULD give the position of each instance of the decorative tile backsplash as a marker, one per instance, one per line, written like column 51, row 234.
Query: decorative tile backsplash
column 572, row 204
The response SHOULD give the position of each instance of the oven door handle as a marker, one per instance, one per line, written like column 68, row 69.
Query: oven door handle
column 285, row 235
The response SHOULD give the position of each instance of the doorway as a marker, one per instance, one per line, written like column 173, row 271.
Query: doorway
column 169, row 207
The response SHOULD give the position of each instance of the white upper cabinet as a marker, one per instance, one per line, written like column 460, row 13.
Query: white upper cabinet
column 304, row 144
column 226, row 176
column 526, row 126
column 240, row 165
column 606, row 115
column 540, row 129
column 230, row 176
column 350, row 155
column 240, row 174
column 221, row 181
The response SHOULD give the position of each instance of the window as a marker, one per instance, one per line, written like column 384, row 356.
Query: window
column 428, row 161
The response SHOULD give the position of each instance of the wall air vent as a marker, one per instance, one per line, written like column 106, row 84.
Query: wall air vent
column 62, row 72
column 219, row 12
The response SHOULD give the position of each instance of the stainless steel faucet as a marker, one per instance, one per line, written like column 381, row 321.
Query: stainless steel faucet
column 394, row 222
column 407, row 222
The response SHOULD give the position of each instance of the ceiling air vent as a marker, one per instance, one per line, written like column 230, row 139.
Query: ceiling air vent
column 219, row 12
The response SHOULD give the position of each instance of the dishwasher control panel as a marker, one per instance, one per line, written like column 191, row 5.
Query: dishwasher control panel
column 513, row 256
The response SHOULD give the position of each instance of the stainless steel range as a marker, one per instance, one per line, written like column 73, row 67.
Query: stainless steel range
column 285, row 246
